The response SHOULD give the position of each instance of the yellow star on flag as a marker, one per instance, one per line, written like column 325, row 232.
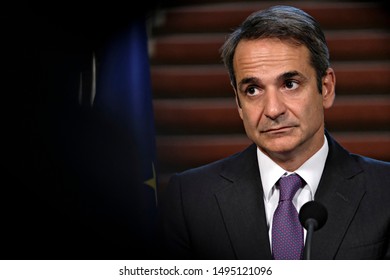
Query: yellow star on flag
column 152, row 182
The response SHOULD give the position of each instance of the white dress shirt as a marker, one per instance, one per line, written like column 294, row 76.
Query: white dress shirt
column 270, row 173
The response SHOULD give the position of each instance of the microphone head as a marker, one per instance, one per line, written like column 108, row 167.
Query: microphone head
column 315, row 212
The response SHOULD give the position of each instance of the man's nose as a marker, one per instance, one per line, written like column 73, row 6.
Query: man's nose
column 274, row 104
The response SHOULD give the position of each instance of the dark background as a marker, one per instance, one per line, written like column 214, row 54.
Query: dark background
column 66, row 190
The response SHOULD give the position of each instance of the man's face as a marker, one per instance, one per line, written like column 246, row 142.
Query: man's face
column 278, row 99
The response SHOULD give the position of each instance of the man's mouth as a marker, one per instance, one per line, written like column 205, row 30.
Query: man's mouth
column 281, row 129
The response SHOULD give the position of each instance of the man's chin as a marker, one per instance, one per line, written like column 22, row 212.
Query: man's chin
column 282, row 148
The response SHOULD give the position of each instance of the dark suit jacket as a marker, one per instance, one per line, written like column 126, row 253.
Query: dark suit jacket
column 217, row 211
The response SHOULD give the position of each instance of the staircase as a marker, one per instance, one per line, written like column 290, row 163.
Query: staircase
column 195, row 113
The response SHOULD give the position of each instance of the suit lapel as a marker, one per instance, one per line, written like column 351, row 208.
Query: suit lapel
column 242, row 204
column 242, row 207
column 341, row 191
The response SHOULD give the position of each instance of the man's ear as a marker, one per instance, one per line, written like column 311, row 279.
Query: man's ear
column 328, row 88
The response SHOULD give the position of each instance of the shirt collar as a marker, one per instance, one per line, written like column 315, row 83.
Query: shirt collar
column 310, row 171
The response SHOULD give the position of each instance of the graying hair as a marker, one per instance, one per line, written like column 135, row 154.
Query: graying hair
column 286, row 23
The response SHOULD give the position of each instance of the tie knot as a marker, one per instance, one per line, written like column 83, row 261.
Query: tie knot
column 289, row 185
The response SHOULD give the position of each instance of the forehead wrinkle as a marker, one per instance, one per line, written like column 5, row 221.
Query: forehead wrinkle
column 256, row 58
column 282, row 77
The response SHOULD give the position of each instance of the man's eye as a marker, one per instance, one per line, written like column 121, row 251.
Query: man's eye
column 251, row 91
column 291, row 84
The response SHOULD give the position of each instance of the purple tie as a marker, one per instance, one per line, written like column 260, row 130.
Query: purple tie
column 287, row 232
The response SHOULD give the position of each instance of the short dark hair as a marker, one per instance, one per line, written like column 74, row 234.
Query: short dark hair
column 286, row 23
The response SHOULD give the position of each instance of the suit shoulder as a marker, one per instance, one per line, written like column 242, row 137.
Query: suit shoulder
column 232, row 161
column 210, row 168
column 377, row 172
column 375, row 165
column 211, row 173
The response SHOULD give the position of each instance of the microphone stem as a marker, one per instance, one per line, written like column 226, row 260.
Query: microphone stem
column 309, row 234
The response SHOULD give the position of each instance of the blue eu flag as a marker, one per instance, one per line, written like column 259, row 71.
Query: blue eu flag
column 82, row 155
column 123, row 104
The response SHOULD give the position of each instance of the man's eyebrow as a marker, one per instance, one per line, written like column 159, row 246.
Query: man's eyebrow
column 248, row 80
column 282, row 77
column 289, row 75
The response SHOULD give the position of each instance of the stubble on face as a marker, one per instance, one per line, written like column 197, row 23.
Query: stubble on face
column 289, row 127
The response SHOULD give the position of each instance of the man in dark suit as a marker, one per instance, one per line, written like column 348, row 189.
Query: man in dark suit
column 278, row 63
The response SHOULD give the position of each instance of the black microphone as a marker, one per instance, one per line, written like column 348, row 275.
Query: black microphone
column 313, row 216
